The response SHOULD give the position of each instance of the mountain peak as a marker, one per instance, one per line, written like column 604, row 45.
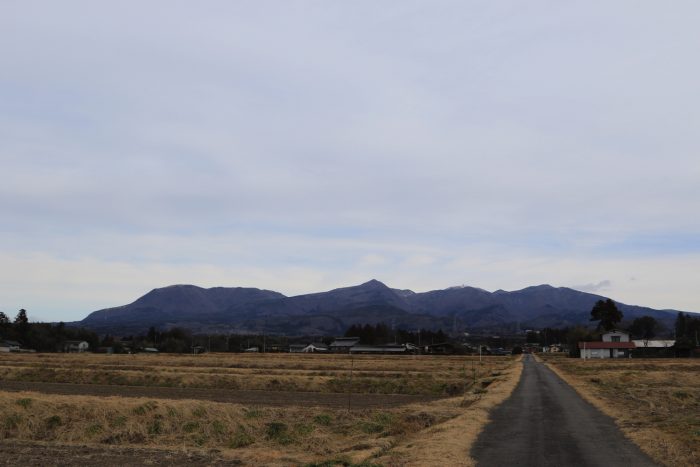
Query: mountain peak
column 374, row 283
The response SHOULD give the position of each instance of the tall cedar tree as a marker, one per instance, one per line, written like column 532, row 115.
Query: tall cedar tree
column 644, row 327
column 607, row 313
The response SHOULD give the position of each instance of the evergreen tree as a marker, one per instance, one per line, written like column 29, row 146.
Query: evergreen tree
column 22, row 323
column 644, row 327
column 681, row 326
column 607, row 313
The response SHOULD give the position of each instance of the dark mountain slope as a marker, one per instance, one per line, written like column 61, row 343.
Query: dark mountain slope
column 456, row 309
column 174, row 304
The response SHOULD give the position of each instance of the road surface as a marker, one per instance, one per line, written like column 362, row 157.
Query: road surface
column 546, row 423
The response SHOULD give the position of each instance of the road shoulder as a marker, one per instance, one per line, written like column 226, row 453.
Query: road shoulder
column 450, row 443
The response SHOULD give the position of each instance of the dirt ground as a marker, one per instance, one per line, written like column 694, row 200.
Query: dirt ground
column 266, row 398
column 41, row 454
column 229, row 409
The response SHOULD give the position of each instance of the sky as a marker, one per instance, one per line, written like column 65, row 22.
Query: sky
column 301, row 146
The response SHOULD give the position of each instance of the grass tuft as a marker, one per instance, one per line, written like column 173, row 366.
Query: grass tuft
column 25, row 403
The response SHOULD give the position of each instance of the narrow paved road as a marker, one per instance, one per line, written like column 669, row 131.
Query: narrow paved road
column 546, row 423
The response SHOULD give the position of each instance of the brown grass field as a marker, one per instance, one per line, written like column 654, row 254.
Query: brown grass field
column 656, row 402
column 453, row 397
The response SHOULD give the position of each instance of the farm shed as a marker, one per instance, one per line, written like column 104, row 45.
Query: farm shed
column 379, row 349
column 654, row 344
column 10, row 346
column 343, row 344
column 443, row 348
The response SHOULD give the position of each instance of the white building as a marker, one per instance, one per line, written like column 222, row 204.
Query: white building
column 654, row 344
column 615, row 344
column 9, row 346
column 75, row 346
column 315, row 347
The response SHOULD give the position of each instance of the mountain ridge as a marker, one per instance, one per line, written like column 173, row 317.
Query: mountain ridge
column 457, row 309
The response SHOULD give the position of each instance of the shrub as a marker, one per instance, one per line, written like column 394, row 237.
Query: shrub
column 253, row 413
column 53, row 421
column 147, row 407
column 93, row 429
column 190, row 427
column 12, row 420
column 323, row 419
column 24, row 403
column 277, row 431
column 241, row 438
column 217, row 427
column 155, row 428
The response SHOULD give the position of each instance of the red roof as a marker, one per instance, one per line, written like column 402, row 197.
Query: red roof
column 606, row 345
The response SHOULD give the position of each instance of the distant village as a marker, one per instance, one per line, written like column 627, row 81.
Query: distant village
column 608, row 340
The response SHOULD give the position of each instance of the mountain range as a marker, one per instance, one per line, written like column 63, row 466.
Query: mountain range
column 455, row 309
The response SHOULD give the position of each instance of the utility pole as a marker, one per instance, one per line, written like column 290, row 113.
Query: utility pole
column 352, row 366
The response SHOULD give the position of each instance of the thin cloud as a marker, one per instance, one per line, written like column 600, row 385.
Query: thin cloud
column 594, row 288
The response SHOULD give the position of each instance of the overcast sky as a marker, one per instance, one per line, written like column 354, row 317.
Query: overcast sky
column 301, row 146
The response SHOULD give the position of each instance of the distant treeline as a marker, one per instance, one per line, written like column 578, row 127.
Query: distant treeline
column 43, row 337
column 687, row 331
column 381, row 333
column 46, row 337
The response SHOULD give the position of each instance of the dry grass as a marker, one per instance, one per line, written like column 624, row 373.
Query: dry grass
column 655, row 402
column 408, row 435
column 258, row 435
column 284, row 372
column 450, row 443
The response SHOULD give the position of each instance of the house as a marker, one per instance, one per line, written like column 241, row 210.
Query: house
column 343, row 344
column 10, row 346
column 297, row 348
column 75, row 346
column 614, row 344
column 315, row 347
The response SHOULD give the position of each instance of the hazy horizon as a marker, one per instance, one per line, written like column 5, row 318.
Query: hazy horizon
column 302, row 146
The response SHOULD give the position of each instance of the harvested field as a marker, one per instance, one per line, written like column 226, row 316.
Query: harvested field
column 234, row 396
column 423, row 375
column 213, row 424
column 35, row 453
column 656, row 402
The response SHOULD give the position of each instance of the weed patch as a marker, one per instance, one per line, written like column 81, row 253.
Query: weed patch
column 25, row 403
column 323, row 419
column 241, row 438
column 278, row 432
column 53, row 422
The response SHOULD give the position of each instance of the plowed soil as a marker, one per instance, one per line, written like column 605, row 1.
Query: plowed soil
column 268, row 398
column 41, row 454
